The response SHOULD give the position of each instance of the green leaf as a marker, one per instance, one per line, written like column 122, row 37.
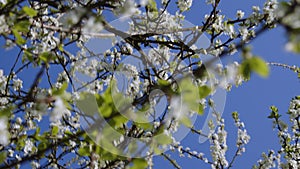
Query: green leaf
column 132, row 147
column 68, row 133
column 29, row 11
column 84, row 151
column 27, row 55
column 191, row 94
column 152, row 6
column 107, row 94
column 61, row 47
column 284, row 5
column 105, row 109
column 37, row 131
column 201, row 109
column 139, row 163
column 55, row 130
column 118, row 121
column 45, row 57
column 108, row 135
column 6, row 112
column 255, row 64
column 163, row 82
column 294, row 42
column 163, row 139
column 235, row 115
column 107, row 155
column 37, row 136
column 21, row 142
column 195, row 56
column 19, row 38
column 204, row 91
column 185, row 121
column 245, row 70
column 87, row 104
column 156, row 149
column 274, row 109
column 42, row 146
column 259, row 66
column 273, row 115
column 22, row 26
column 60, row 91
column 3, row 156
column 145, row 126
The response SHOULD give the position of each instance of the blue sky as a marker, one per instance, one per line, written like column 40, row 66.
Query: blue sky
column 252, row 100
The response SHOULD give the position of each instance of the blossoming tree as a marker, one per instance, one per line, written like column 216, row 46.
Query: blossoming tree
column 105, row 93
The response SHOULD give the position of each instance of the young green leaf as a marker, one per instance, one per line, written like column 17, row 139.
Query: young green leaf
column 84, row 151
column 255, row 64
column 139, row 163
column 61, row 90
column 259, row 66
column 151, row 6
column 55, row 130
column 19, row 38
column 3, row 156
column 29, row 11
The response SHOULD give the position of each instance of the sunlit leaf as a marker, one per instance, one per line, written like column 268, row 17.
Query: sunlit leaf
column 204, row 91
column 163, row 139
column 22, row 26
column 152, row 6
column 19, row 38
column 259, row 66
column 255, row 64
column 61, row 90
column 29, row 11
column 84, row 151
column 139, row 163
column 55, row 130
column 3, row 156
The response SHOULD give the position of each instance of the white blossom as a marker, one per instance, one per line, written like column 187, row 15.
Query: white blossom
column 35, row 164
column 143, row 2
column 17, row 84
column 218, row 24
column 184, row 5
column 92, row 26
column 52, row 27
column 243, row 137
column 178, row 109
column 240, row 14
column 3, row 25
column 59, row 110
column 255, row 8
column 164, row 2
column 28, row 146
column 129, row 8
column 229, row 29
column 10, row 153
column 210, row 1
column 3, row 2
column 270, row 9
column 244, row 33
column 71, row 17
column 232, row 48
column 4, row 139
column 294, row 109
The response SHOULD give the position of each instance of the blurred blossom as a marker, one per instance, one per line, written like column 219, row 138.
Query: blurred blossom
column 3, row 131
column 59, row 110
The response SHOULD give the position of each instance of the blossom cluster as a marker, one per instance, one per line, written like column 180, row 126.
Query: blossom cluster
column 288, row 155
column 53, row 38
